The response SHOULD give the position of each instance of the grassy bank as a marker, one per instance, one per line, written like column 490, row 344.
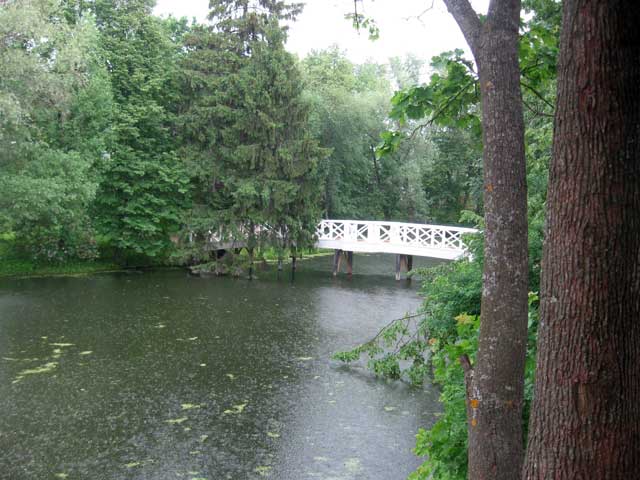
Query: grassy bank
column 271, row 255
column 14, row 265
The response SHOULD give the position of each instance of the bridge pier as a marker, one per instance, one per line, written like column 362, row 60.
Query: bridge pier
column 337, row 261
column 403, row 261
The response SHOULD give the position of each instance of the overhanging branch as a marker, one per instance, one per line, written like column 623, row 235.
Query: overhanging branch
column 537, row 94
column 468, row 21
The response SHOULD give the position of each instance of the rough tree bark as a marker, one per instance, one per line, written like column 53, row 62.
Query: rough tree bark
column 495, row 383
column 585, row 421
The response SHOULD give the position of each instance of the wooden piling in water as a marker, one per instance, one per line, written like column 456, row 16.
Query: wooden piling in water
column 337, row 258
column 403, row 262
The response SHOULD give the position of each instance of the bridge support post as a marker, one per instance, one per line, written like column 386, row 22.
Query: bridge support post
column 337, row 259
column 403, row 262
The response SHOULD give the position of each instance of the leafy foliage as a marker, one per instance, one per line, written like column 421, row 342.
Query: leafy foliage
column 349, row 107
column 54, row 129
column 144, row 188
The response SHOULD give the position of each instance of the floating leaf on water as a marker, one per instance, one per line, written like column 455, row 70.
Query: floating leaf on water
column 262, row 470
column 195, row 452
column 191, row 339
column 62, row 345
column 198, row 478
column 273, row 435
column 186, row 429
column 203, row 364
column 231, row 376
column 389, row 409
column 160, row 325
column 47, row 367
column 177, row 421
column 236, row 409
column 133, row 464
column 189, row 406
column 61, row 475
column 86, row 352
column 203, row 438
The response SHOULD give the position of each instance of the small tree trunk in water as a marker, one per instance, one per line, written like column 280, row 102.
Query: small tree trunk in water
column 495, row 384
column 585, row 419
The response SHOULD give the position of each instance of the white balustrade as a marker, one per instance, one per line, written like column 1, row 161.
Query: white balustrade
column 418, row 239
column 393, row 237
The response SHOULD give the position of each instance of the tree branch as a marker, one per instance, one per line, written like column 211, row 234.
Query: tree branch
column 540, row 113
column 441, row 109
column 419, row 16
column 537, row 94
column 468, row 21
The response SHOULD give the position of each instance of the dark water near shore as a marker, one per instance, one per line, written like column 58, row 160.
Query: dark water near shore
column 166, row 376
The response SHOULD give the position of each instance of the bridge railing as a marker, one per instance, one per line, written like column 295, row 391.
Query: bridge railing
column 398, row 233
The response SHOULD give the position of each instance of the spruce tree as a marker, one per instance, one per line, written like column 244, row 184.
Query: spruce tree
column 246, row 127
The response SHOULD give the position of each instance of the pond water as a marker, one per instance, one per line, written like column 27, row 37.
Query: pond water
column 168, row 376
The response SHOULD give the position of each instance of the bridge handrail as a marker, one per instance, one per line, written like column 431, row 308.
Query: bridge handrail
column 399, row 233
column 448, row 227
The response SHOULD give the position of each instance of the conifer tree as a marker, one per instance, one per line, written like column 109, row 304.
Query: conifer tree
column 246, row 127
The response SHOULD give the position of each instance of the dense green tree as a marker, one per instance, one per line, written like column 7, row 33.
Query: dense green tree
column 55, row 104
column 452, row 180
column 245, row 125
column 407, row 71
column 349, row 113
column 143, row 190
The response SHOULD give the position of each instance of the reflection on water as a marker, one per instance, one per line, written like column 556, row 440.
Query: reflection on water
column 166, row 376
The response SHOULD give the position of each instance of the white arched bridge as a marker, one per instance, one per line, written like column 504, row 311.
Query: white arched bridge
column 405, row 240
column 345, row 237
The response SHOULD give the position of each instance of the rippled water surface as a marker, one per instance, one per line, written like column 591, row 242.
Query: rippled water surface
column 167, row 376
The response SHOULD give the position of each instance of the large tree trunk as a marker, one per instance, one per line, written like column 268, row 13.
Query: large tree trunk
column 495, row 384
column 585, row 421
